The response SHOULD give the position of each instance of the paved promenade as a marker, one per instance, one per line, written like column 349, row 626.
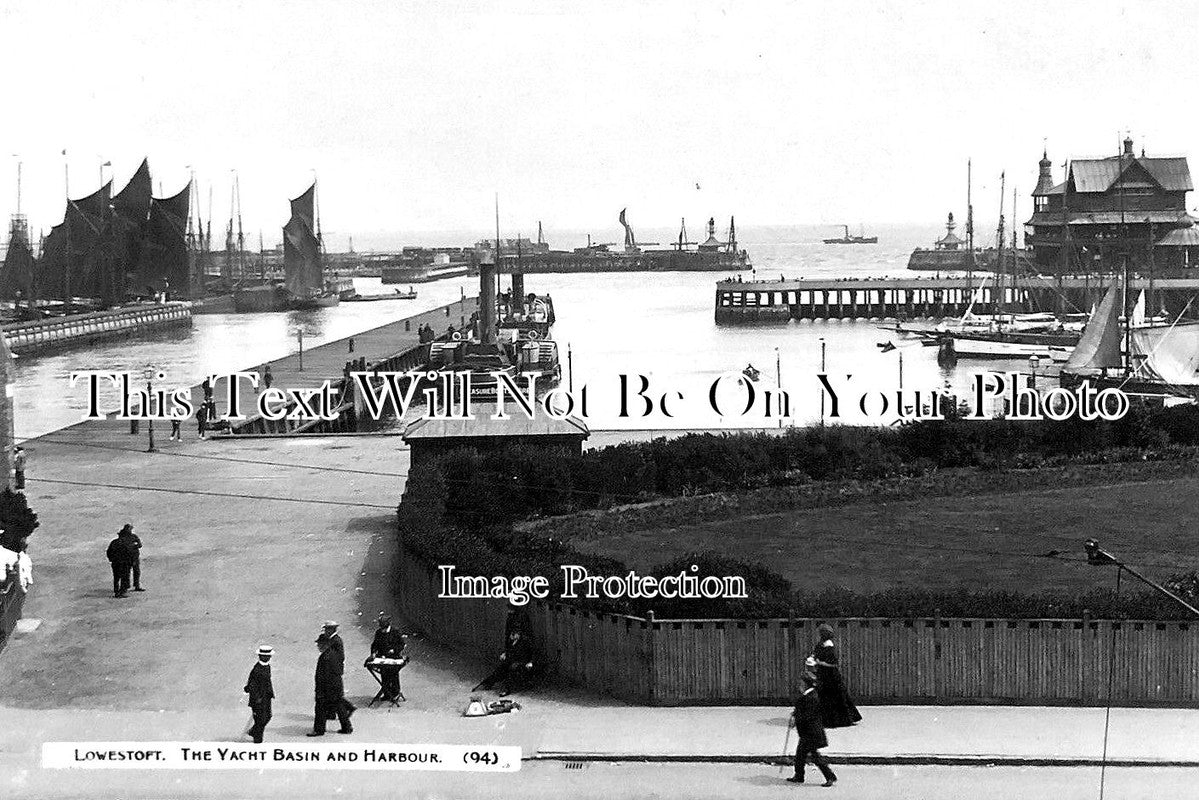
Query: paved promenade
column 261, row 540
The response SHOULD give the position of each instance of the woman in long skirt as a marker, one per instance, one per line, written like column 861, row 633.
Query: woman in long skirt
column 836, row 706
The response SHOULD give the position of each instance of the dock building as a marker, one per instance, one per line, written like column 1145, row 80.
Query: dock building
column 1110, row 208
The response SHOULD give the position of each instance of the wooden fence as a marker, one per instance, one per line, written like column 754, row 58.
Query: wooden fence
column 892, row 661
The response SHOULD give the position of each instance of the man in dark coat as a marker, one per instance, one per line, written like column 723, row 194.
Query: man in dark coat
column 330, row 692
column 806, row 719
column 120, row 555
column 261, row 692
column 388, row 643
column 515, row 669
column 338, row 646
column 339, row 650
column 134, row 543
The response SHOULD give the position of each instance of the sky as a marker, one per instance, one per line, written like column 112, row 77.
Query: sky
column 414, row 115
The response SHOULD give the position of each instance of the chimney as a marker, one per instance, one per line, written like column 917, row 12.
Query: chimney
column 1128, row 146
column 487, row 297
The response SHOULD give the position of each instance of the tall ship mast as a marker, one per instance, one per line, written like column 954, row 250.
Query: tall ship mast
column 16, row 275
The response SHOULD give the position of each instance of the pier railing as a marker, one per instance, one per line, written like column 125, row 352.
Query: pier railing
column 738, row 302
column 78, row 328
column 947, row 661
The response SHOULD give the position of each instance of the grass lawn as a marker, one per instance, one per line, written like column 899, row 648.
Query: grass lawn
column 974, row 542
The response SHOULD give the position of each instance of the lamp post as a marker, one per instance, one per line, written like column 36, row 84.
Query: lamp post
column 822, row 353
column 778, row 376
column 150, row 409
column 1034, row 361
column 1098, row 557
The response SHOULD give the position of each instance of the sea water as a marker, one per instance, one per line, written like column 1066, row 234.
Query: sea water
column 659, row 326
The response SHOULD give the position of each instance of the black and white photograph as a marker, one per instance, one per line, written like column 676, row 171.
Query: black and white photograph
column 478, row 399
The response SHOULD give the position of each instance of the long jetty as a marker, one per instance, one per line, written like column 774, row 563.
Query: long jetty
column 60, row 332
column 739, row 302
column 394, row 346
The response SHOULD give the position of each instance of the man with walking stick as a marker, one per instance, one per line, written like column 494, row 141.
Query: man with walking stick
column 810, row 730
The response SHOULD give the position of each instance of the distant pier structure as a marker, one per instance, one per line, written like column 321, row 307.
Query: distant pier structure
column 739, row 302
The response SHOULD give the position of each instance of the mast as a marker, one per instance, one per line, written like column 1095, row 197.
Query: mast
column 969, row 226
column 1123, row 242
column 498, row 260
column 1015, row 229
column 1001, row 301
column 66, row 281
column 241, row 239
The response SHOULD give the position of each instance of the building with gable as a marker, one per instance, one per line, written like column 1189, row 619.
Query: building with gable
column 1111, row 208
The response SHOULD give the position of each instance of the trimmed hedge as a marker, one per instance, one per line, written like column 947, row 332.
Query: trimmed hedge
column 17, row 521
column 473, row 510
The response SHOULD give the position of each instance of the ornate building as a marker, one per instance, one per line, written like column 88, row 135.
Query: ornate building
column 1111, row 208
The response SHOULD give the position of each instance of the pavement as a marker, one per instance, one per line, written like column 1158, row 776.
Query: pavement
column 261, row 540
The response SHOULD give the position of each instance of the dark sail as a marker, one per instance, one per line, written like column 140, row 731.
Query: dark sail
column 301, row 248
column 129, row 221
column 71, row 262
column 165, row 262
column 16, row 275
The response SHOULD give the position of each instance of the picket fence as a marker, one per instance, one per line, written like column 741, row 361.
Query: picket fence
column 897, row 661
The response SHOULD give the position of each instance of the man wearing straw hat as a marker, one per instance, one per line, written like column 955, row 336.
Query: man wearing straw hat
column 261, row 692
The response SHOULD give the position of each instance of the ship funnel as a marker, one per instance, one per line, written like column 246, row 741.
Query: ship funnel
column 487, row 297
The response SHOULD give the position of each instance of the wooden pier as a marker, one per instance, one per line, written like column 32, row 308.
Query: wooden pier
column 59, row 332
column 394, row 346
column 740, row 302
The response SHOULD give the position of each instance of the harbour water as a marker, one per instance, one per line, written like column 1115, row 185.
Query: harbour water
column 659, row 325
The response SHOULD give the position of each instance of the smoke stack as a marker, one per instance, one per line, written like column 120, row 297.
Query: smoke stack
column 518, row 287
column 487, row 297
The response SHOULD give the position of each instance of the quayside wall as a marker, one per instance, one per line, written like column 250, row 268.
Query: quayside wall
column 750, row 302
column 884, row 661
column 60, row 332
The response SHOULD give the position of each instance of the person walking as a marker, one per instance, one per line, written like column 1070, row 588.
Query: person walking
column 339, row 652
column 330, row 691
column 267, row 377
column 335, row 642
column 261, row 692
column 388, row 643
column 202, row 421
column 18, row 467
column 806, row 720
column 121, row 558
column 836, row 707
column 134, row 545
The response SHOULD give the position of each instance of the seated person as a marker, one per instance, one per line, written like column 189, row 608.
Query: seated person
column 515, row 669
column 388, row 643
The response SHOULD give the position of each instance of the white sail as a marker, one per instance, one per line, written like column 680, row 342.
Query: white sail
column 1099, row 347
column 1168, row 354
column 1137, row 319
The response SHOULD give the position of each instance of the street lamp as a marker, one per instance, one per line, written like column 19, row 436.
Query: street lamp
column 778, row 376
column 822, row 352
column 1098, row 557
column 150, row 408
